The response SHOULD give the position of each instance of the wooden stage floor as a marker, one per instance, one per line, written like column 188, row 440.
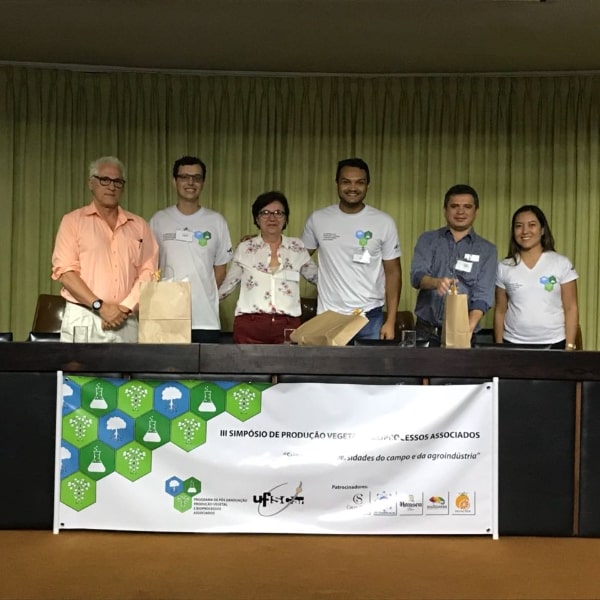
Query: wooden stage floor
column 92, row 565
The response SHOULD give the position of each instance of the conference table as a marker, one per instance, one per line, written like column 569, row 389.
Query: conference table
column 549, row 412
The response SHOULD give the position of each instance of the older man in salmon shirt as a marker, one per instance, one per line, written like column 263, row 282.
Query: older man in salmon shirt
column 101, row 254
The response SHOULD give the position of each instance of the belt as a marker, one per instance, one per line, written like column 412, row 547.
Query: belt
column 428, row 327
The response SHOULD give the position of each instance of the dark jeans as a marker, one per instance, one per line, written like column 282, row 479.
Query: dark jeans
column 372, row 330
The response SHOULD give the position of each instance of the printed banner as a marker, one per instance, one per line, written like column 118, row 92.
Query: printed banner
column 311, row 458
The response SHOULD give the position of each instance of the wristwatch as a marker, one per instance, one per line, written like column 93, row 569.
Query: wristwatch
column 97, row 304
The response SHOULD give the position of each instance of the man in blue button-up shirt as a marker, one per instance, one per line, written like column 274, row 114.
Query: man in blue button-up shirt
column 454, row 252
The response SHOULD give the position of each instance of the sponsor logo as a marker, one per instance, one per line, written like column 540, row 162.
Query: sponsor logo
column 276, row 500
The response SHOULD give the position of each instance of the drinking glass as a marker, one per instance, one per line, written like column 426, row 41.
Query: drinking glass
column 409, row 338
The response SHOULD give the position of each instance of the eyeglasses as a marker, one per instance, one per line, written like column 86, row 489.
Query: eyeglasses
column 193, row 178
column 106, row 181
column 265, row 214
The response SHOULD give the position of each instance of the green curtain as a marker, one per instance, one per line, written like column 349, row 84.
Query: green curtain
column 516, row 139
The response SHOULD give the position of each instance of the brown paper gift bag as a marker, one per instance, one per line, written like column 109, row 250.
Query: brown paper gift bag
column 455, row 331
column 165, row 312
column 328, row 329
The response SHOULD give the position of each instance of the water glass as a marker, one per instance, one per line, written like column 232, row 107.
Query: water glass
column 409, row 338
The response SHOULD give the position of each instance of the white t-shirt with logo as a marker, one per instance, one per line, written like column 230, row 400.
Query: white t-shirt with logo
column 189, row 247
column 535, row 313
column 351, row 250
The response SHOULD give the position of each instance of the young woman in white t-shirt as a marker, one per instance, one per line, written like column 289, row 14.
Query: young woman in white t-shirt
column 536, row 288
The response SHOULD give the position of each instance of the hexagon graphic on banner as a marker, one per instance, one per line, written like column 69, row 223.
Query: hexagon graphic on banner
column 99, row 396
column 182, row 503
column 116, row 429
column 133, row 461
column 97, row 460
column 80, row 428
column 135, row 398
column 183, row 492
column 69, row 459
column 78, row 491
column 243, row 401
column 152, row 430
column 171, row 399
column 174, row 486
column 188, row 431
column 207, row 400
column 71, row 393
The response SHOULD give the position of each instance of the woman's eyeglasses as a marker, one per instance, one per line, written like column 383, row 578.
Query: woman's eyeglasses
column 265, row 214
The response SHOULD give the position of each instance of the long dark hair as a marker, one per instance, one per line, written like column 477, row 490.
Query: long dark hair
column 514, row 250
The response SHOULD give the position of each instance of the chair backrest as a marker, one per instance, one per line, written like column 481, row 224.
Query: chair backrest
column 404, row 320
column 309, row 308
column 48, row 314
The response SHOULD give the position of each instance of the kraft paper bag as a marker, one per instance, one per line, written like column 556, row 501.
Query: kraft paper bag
column 455, row 330
column 328, row 329
column 165, row 312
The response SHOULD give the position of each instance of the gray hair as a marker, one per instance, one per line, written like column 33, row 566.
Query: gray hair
column 106, row 160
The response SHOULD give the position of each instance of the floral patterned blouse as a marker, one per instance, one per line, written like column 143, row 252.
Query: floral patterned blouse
column 264, row 289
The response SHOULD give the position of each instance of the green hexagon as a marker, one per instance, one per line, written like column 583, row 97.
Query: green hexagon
column 182, row 502
column 152, row 430
column 97, row 460
column 133, row 461
column 192, row 487
column 80, row 428
column 78, row 491
column 99, row 396
column 188, row 431
column 135, row 398
column 243, row 401
column 207, row 400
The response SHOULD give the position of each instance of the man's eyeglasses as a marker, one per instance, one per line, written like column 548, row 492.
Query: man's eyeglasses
column 265, row 214
column 193, row 178
column 106, row 181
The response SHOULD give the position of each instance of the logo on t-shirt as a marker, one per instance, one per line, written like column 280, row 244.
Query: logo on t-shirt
column 548, row 282
column 363, row 237
column 202, row 237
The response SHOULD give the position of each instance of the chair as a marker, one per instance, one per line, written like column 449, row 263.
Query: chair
column 309, row 308
column 404, row 320
column 48, row 318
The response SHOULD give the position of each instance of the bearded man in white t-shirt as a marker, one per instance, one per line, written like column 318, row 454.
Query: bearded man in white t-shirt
column 359, row 254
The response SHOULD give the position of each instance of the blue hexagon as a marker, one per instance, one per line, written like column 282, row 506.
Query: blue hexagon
column 69, row 459
column 116, row 429
column 171, row 399
column 173, row 486
column 71, row 396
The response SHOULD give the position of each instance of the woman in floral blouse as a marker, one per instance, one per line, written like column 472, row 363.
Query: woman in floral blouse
column 268, row 269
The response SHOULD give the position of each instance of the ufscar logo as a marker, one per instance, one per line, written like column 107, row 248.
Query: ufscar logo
column 271, row 504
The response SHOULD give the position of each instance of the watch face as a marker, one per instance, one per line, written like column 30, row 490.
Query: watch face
column 97, row 304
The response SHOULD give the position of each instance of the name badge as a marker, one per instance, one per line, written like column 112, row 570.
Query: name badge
column 472, row 257
column 362, row 257
column 464, row 266
column 184, row 235
column 292, row 276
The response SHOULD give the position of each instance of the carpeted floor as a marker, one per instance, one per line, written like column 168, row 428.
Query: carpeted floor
column 78, row 565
